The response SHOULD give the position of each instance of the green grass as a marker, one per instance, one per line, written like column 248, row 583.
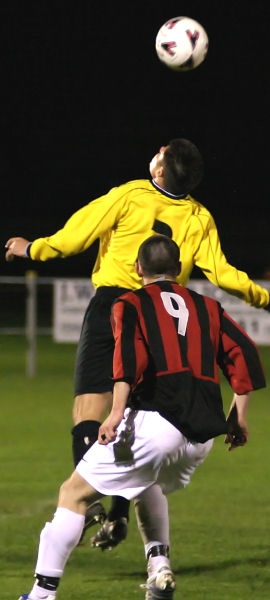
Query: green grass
column 219, row 525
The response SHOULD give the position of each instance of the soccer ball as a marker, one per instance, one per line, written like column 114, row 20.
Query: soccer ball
column 182, row 44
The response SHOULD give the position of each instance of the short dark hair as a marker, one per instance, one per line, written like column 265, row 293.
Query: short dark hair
column 159, row 255
column 183, row 167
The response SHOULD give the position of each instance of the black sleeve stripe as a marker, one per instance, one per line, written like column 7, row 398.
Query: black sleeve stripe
column 249, row 352
column 153, row 330
column 207, row 350
column 128, row 351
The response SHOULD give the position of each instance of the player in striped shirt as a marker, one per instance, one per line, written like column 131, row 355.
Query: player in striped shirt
column 169, row 343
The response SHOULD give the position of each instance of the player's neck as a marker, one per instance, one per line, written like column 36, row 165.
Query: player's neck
column 156, row 278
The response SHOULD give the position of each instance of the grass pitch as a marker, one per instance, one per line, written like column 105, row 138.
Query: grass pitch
column 219, row 524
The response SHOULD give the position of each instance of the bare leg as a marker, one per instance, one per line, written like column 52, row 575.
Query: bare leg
column 91, row 407
column 75, row 494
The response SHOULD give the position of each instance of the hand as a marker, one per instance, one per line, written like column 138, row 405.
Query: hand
column 236, row 438
column 108, row 430
column 237, row 429
column 16, row 247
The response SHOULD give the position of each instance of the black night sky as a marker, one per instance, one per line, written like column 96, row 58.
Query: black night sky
column 86, row 103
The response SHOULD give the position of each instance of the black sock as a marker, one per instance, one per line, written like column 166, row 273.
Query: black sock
column 158, row 550
column 84, row 435
column 119, row 508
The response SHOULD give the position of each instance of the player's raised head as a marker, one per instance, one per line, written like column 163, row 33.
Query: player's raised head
column 159, row 255
column 183, row 166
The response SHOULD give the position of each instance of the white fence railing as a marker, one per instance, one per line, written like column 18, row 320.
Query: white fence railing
column 30, row 329
column 71, row 296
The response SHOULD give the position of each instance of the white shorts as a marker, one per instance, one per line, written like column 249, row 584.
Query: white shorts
column 147, row 450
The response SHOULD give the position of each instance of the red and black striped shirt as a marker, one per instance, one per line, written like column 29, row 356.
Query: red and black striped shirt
column 169, row 343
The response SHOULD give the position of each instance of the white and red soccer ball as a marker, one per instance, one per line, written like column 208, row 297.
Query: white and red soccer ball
column 182, row 44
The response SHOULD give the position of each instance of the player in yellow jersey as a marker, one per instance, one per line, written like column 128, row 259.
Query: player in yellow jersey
column 122, row 219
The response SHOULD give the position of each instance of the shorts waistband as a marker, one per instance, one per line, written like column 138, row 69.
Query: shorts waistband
column 111, row 291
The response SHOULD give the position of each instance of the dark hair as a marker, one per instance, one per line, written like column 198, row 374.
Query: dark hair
column 183, row 167
column 159, row 255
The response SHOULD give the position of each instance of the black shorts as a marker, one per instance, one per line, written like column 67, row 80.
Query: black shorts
column 93, row 367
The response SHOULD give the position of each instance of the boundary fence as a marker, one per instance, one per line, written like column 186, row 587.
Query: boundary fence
column 71, row 296
column 31, row 329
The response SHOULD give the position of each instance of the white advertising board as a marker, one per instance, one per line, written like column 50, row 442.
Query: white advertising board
column 256, row 322
column 71, row 297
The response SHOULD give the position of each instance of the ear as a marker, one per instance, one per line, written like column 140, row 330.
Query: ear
column 160, row 171
column 138, row 268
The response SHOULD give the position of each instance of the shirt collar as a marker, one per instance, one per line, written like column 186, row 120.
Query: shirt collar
column 160, row 189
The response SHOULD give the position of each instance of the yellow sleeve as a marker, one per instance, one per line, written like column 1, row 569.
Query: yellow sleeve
column 82, row 228
column 210, row 258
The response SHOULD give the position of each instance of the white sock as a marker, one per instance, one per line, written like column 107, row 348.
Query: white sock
column 151, row 509
column 155, row 562
column 38, row 593
column 57, row 540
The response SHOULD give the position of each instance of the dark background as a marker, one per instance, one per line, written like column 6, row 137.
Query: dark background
column 86, row 104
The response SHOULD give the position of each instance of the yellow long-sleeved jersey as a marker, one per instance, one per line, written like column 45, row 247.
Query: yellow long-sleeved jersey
column 124, row 217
